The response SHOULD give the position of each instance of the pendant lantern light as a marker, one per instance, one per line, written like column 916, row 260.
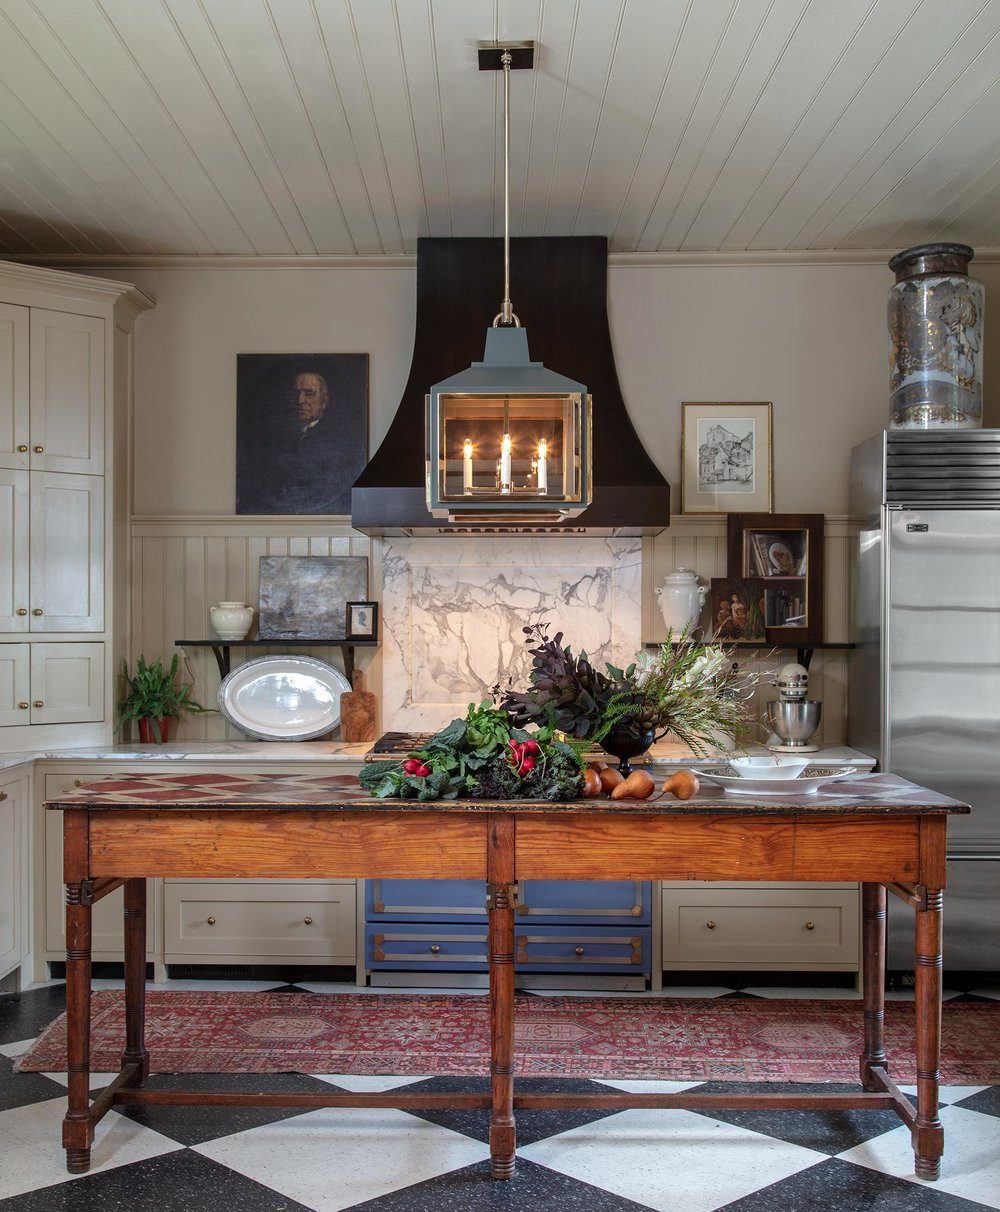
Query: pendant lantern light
column 507, row 439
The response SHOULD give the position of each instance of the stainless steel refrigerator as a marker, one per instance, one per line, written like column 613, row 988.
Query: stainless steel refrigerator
column 924, row 693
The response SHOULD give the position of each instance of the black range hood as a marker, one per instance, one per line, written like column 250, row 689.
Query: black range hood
column 561, row 289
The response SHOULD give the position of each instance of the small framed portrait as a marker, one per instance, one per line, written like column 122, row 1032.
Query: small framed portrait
column 786, row 551
column 727, row 461
column 738, row 609
column 362, row 620
column 301, row 431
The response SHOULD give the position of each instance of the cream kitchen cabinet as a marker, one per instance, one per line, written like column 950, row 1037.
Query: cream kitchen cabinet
column 66, row 578
column 14, row 881
column 15, row 450
column 14, row 551
column 66, row 392
column 51, row 683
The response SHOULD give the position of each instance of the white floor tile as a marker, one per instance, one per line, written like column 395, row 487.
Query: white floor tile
column 908, row 995
column 645, row 1086
column 671, row 1160
column 363, row 1084
column 971, row 1163
column 333, row 1158
column 821, row 995
column 97, row 1080
column 948, row 1094
column 32, row 1156
column 17, row 1049
column 341, row 987
column 195, row 986
column 987, row 991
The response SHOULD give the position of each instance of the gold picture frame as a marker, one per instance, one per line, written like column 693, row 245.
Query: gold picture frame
column 727, row 457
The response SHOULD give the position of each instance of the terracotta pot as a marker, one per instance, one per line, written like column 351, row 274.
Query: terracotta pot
column 146, row 734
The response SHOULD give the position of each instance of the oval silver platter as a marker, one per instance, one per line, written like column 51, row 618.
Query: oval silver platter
column 283, row 698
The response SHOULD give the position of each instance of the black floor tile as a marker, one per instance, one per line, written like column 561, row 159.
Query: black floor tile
column 20, row 1089
column 176, row 1182
column 825, row 1131
column 195, row 1125
column 471, row 1189
column 848, row 1188
column 987, row 1101
column 531, row 1125
column 25, row 1015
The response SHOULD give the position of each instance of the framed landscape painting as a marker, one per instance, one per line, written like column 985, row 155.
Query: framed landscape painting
column 727, row 458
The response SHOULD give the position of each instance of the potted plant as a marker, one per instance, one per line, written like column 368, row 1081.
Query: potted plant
column 154, row 697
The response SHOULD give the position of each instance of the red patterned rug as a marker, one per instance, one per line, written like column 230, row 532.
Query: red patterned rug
column 726, row 1039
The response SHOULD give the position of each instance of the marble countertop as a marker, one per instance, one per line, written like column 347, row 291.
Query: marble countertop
column 663, row 755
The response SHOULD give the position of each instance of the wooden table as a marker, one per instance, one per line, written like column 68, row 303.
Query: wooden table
column 885, row 834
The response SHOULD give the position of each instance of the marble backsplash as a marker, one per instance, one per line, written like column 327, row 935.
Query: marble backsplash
column 453, row 612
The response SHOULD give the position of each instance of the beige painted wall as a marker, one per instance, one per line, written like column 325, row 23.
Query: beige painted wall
column 810, row 338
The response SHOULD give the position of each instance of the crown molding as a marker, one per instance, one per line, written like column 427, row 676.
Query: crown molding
column 18, row 274
column 616, row 260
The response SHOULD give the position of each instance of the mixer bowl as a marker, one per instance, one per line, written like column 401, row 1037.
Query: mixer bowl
column 793, row 723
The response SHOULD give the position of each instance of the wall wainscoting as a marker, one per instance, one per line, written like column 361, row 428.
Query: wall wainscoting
column 182, row 565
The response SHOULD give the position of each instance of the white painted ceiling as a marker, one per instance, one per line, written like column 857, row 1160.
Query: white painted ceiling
column 353, row 126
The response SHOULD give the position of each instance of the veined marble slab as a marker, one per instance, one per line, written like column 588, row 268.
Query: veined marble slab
column 453, row 615
column 200, row 751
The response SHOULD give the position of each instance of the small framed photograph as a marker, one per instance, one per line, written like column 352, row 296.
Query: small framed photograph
column 738, row 609
column 727, row 460
column 362, row 620
column 786, row 551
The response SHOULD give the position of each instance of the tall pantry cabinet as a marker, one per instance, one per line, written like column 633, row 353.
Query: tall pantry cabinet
column 66, row 382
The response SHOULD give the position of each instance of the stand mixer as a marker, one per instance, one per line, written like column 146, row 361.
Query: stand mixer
column 792, row 717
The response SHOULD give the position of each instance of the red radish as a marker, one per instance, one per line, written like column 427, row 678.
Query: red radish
column 412, row 765
column 422, row 771
column 530, row 747
column 527, row 765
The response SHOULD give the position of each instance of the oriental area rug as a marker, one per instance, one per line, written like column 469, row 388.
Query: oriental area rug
column 727, row 1039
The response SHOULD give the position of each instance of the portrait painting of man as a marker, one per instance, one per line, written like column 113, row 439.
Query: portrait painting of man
column 301, row 431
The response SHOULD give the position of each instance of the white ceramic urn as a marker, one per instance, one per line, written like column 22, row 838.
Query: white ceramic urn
column 681, row 597
column 231, row 620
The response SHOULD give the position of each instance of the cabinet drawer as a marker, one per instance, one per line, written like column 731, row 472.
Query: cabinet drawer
column 556, row 901
column 453, row 946
column 260, row 920
column 755, row 925
column 568, row 948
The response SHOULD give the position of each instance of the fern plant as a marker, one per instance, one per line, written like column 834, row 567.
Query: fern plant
column 154, row 693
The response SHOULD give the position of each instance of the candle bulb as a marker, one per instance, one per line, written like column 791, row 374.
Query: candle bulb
column 506, row 480
column 543, row 467
column 467, row 467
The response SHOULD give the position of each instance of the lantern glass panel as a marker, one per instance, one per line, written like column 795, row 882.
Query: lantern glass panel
column 510, row 448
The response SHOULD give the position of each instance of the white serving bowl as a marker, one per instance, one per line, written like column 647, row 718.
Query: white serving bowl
column 770, row 766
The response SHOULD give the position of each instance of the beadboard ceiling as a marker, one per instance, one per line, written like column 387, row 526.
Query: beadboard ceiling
column 350, row 127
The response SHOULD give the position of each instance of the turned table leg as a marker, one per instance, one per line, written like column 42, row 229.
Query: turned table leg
column 78, row 1132
column 135, row 978
column 500, row 951
column 928, row 1134
column 873, row 899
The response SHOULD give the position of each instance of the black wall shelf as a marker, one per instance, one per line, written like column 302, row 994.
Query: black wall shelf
column 222, row 649
column 804, row 652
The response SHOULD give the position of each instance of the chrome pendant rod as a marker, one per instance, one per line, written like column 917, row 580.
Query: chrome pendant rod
column 506, row 317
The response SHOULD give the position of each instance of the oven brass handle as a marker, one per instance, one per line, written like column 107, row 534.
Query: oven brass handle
column 710, row 925
column 307, row 921
column 435, row 948
column 211, row 921
column 24, row 706
column 39, row 703
column 22, row 449
column 578, row 951
column 22, row 611
column 810, row 925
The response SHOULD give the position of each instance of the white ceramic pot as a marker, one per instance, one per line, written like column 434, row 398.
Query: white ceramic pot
column 231, row 620
column 681, row 598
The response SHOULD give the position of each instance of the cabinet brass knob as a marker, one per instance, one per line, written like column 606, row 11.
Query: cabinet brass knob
column 23, row 706
column 37, row 612
column 435, row 948
column 710, row 925
column 78, row 782
column 22, row 611
column 3, row 796
column 810, row 925
column 308, row 921
column 39, row 703
column 39, row 449
column 211, row 921
column 22, row 449
column 578, row 951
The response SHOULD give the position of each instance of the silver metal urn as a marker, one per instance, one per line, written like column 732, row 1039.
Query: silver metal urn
column 935, row 339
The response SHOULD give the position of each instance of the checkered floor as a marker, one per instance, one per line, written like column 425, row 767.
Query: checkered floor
column 192, row 1159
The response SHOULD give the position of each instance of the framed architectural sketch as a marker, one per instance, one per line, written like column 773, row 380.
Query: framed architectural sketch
column 727, row 459
column 301, row 431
